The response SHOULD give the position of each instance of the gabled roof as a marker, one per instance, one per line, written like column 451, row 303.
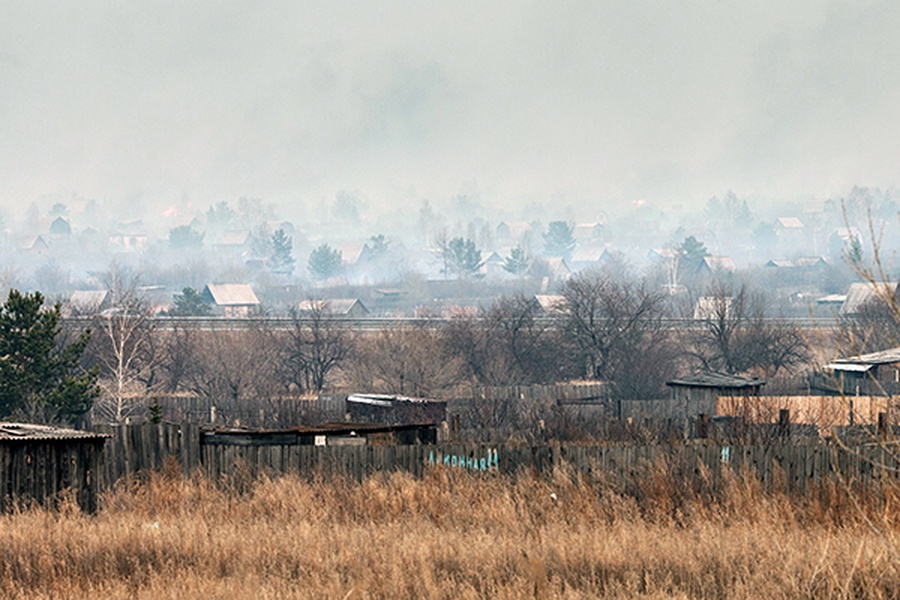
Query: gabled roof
column 588, row 254
column 711, row 379
column 88, row 298
column 587, row 231
column 230, row 294
column 658, row 253
column 719, row 263
column 549, row 303
column 234, row 238
column 862, row 293
column 335, row 306
column 789, row 223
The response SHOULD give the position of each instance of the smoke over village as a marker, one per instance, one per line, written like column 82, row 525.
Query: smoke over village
column 585, row 299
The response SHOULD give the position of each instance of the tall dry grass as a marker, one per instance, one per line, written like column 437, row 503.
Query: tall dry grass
column 456, row 535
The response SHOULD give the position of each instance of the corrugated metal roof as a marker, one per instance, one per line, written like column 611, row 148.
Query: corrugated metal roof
column 232, row 294
column 861, row 293
column 716, row 380
column 27, row 431
column 386, row 399
column 883, row 357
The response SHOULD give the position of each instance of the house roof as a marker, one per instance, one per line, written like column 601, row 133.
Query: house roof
column 883, row 357
column 711, row 379
column 719, row 263
column 231, row 294
column 790, row 222
column 550, row 302
column 588, row 254
column 26, row 431
column 234, row 238
column 656, row 253
column 336, row 306
column 88, row 298
column 861, row 293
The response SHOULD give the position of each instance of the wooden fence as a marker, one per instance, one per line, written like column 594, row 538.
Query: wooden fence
column 136, row 448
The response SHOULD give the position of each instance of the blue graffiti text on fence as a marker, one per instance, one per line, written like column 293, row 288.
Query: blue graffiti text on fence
column 484, row 463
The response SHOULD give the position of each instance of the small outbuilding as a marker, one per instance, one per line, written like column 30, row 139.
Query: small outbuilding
column 697, row 394
column 41, row 463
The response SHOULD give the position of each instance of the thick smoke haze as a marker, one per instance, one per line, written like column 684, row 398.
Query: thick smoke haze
column 603, row 102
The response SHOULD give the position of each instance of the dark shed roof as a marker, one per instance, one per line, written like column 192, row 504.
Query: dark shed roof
column 717, row 380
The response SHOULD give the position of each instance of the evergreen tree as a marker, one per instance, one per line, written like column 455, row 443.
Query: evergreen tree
column 461, row 258
column 189, row 303
column 692, row 251
column 517, row 262
column 324, row 262
column 281, row 260
column 558, row 240
column 39, row 378
column 185, row 237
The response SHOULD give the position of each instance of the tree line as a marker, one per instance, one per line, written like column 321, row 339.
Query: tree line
column 605, row 328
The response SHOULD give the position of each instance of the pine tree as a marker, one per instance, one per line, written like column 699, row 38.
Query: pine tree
column 189, row 303
column 324, row 262
column 517, row 262
column 40, row 378
column 558, row 240
column 281, row 260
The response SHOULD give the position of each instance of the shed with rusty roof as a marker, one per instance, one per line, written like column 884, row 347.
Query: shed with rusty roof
column 43, row 464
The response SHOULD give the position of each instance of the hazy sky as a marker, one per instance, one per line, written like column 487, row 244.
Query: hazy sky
column 599, row 100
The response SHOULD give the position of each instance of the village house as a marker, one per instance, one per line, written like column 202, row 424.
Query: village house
column 231, row 299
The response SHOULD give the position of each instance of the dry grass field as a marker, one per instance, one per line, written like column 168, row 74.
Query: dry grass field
column 457, row 535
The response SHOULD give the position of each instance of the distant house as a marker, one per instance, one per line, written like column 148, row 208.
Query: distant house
column 800, row 263
column 129, row 235
column 339, row 307
column 876, row 374
column 659, row 254
column 512, row 231
column 589, row 256
column 235, row 239
column 35, row 244
column 861, row 294
column 716, row 264
column 88, row 302
column 710, row 308
column 559, row 269
column 587, row 233
column 788, row 224
column 548, row 304
column 492, row 266
column 231, row 299
column 60, row 226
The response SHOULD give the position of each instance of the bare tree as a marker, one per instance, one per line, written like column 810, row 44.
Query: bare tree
column 407, row 360
column 125, row 351
column 614, row 325
column 318, row 345
column 737, row 335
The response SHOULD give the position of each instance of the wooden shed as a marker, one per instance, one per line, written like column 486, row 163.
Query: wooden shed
column 697, row 394
column 392, row 409
column 41, row 463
